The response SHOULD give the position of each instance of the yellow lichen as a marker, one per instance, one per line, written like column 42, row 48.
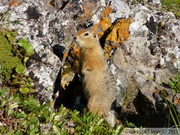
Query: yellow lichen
column 108, row 10
column 103, row 25
column 120, row 31
column 88, row 11
column 13, row 3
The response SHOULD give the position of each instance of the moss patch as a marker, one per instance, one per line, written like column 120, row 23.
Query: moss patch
column 8, row 59
column 13, row 57
column 172, row 6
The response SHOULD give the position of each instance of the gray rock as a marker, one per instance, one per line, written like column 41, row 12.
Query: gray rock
column 44, row 30
column 150, row 54
column 121, row 8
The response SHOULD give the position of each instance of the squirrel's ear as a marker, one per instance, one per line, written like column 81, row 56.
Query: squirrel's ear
column 94, row 35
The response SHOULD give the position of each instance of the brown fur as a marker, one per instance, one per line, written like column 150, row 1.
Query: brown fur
column 96, row 78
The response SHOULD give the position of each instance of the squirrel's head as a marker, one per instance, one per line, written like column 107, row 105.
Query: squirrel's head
column 86, row 38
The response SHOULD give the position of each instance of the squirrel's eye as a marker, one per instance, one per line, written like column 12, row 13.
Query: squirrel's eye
column 86, row 34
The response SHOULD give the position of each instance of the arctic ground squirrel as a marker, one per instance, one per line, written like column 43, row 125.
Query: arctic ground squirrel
column 98, row 83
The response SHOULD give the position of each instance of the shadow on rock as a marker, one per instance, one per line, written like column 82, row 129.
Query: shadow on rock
column 72, row 96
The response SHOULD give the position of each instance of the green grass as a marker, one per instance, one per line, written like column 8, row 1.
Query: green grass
column 13, row 57
column 24, row 115
column 174, row 115
column 172, row 6
column 175, row 83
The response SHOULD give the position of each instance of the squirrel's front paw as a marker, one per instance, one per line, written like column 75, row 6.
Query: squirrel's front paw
column 86, row 70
